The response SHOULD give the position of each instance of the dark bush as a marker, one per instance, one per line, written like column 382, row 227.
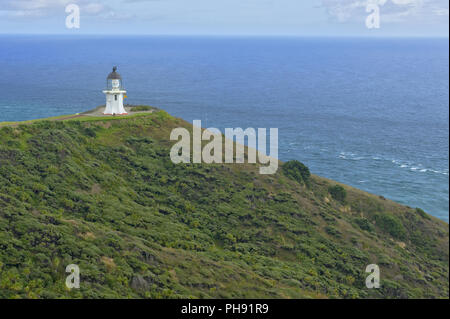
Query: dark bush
column 364, row 224
column 391, row 225
column 338, row 192
column 90, row 132
column 141, row 108
column 297, row 171
column 422, row 213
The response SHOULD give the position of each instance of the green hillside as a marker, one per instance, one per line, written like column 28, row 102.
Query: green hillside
column 102, row 193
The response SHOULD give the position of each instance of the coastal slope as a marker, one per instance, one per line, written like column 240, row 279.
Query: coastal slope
column 102, row 193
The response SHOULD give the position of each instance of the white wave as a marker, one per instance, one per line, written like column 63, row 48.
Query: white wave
column 350, row 156
column 413, row 167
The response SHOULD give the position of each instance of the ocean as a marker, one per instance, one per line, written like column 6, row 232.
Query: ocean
column 371, row 113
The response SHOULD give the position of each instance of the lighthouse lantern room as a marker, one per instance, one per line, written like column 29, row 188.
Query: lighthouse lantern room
column 115, row 94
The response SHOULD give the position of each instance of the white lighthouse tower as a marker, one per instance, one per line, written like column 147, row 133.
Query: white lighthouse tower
column 114, row 94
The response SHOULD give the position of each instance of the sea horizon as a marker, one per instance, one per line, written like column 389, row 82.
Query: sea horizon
column 69, row 34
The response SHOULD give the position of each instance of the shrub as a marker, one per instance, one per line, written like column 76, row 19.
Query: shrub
column 333, row 231
column 297, row 171
column 338, row 192
column 140, row 108
column 422, row 213
column 90, row 132
column 364, row 224
column 391, row 225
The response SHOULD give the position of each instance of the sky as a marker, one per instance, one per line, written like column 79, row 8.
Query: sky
column 425, row 18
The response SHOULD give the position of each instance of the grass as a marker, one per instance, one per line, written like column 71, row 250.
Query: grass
column 53, row 118
column 102, row 193
column 141, row 108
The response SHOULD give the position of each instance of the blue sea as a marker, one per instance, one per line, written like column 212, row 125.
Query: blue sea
column 371, row 113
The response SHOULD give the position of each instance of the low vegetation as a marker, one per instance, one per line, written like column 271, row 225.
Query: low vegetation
column 297, row 171
column 141, row 108
column 102, row 193
column 338, row 193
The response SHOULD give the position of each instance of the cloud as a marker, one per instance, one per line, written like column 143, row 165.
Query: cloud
column 390, row 10
column 46, row 8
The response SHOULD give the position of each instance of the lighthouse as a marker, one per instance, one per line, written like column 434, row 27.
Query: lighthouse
column 114, row 94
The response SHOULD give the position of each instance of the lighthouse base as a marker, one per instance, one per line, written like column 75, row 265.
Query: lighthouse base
column 114, row 102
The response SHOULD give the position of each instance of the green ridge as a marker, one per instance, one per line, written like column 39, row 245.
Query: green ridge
column 102, row 193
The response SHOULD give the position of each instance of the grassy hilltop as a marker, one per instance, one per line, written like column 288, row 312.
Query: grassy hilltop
column 102, row 193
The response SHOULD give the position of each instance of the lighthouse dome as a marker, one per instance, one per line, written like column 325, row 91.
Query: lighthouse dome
column 114, row 75
column 114, row 80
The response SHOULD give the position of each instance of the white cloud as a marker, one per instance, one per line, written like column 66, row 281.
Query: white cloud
column 390, row 10
column 45, row 8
